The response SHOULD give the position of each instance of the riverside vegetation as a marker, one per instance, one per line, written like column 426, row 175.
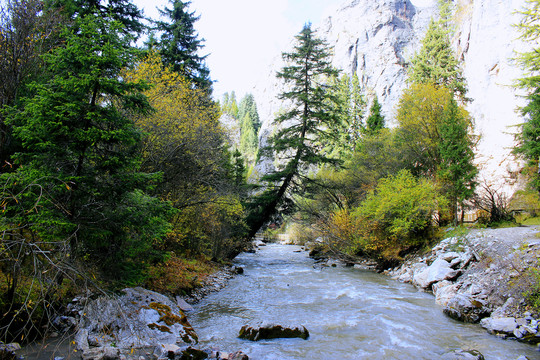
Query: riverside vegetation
column 116, row 169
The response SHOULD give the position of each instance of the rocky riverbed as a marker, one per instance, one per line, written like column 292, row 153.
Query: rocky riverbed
column 483, row 277
column 137, row 324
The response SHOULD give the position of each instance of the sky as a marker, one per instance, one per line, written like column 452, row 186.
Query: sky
column 242, row 37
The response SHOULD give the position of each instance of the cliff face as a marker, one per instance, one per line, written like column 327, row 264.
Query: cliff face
column 376, row 39
column 486, row 42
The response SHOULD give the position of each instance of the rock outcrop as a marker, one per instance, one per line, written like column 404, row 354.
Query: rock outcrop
column 138, row 319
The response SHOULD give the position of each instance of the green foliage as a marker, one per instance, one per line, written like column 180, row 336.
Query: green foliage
column 375, row 120
column 532, row 292
column 436, row 63
column 186, row 143
column 457, row 171
column 420, row 112
column 396, row 217
column 26, row 32
column 179, row 44
column 303, row 127
column 80, row 150
column 248, row 117
column 229, row 105
column 401, row 208
column 123, row 11
column 348, row 104
column 248, row 107
column 530, row 32
column 528, row 145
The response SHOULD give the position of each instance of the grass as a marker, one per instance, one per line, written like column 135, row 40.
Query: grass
column 531, row 221
column 458, row 231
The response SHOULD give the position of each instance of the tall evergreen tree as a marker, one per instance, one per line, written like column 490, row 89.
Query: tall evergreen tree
column 456, row 171
column 304, row 126
column 375, row 120
column 436, row 63
column 179, row 44
column 529, row 137
column 349, row 107
column 79, row 158
column 249, row 106
column 123, row 11
column 26, row 33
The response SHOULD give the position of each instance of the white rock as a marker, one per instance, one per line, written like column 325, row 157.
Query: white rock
column 449, row 256
column 439, row 270
column 505, row 325
column 165, row 351
column 444, row 292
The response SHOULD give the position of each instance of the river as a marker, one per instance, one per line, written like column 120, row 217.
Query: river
column 350, row 314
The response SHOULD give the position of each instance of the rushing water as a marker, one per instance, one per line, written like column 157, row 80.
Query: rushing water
column 350, row 314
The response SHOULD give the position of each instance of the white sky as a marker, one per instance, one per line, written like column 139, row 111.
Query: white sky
column 243, row 36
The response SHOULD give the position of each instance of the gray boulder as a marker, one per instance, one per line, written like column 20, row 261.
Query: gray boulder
column 500, row 326
column 139, row 318
column 444, row 292
column 439, row 270
column 272, row 331
column 465, row 308
column 463, row 355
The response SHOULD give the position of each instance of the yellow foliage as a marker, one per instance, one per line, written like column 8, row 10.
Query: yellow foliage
column 183, row 134
column 420, row 114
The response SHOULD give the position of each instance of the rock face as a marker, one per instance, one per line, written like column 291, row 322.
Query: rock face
column 138, row 319
column 272, row 331
column 376, row 39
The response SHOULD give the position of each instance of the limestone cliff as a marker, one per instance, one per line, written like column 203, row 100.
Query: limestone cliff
column 376, row 39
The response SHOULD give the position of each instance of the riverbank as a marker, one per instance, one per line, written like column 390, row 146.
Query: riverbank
column 485, row 276
column 138, row 324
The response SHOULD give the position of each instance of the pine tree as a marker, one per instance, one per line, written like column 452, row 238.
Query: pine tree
column 180, row 44
column 529, row 137
column 249, row 106
column 456, row 171
column 248, row 138
column 232, row 107
column 436, row 63
column 303, row 129
column 375, row 120
column 349, row 107
column 123, row 11
column 79, row 158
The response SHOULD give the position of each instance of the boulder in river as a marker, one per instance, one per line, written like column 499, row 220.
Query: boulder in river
column 465, row 308
column 272, row 331
column 463, row 355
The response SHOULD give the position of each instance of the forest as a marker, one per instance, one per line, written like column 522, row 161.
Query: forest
column 117, row 169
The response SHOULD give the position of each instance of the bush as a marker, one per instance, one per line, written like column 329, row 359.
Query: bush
column 178, row 275
column 397, row 216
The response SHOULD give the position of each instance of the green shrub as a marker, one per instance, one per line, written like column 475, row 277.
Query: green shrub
column 397, row 216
